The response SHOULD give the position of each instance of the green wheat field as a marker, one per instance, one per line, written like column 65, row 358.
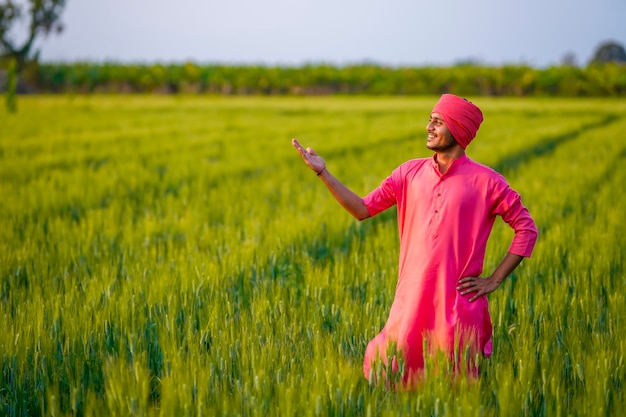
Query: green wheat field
column 173, row 256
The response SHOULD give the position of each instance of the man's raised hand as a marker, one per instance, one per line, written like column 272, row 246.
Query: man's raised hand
column 312, row 159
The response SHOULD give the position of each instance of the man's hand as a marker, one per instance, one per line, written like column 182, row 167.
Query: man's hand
column 312, row 159
column 483, row 286
column 479, row 286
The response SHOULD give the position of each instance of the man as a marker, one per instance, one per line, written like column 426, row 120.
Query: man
column 446, row 207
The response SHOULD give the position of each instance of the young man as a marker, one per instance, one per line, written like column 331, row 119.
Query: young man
column 446, row 206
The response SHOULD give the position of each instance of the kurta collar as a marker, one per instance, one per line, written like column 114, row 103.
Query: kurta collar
column 455, row 164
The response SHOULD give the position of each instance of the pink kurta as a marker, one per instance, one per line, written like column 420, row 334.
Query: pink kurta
column 444, row 223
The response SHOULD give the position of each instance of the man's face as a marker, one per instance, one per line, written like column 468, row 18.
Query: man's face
column 439, row 137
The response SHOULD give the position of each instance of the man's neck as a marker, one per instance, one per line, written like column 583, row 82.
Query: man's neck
column 446, row 158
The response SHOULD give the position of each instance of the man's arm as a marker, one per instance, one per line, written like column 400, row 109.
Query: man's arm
column 346, row 197
column 518, row 218
column 482, row 286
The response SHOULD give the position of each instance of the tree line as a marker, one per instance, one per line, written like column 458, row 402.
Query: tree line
column 601, row 80
column 605, row 75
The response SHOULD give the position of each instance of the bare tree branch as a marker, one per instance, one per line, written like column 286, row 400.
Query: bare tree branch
column 44, row 18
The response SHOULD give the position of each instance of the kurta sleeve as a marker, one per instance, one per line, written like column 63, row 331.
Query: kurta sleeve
column 382, row 197
column 508, row 205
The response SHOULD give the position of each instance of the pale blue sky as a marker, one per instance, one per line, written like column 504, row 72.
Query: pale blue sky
column 394, row 32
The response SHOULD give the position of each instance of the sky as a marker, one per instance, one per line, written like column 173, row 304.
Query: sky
column 338, row 32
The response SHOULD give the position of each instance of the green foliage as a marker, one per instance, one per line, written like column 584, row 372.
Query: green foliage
column 172, row 255
column 465, row 80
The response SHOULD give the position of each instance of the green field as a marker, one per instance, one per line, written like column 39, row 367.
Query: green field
column 173, row 255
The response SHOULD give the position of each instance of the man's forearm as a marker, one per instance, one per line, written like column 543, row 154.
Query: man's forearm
column 508, row 265
column 352, row 202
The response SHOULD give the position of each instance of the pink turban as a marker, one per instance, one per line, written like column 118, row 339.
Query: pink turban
column 462, row 117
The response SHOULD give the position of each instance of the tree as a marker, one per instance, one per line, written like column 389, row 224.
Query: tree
column 569, row 60
column 609, row 52
column 11, row 101
column 44, row 18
